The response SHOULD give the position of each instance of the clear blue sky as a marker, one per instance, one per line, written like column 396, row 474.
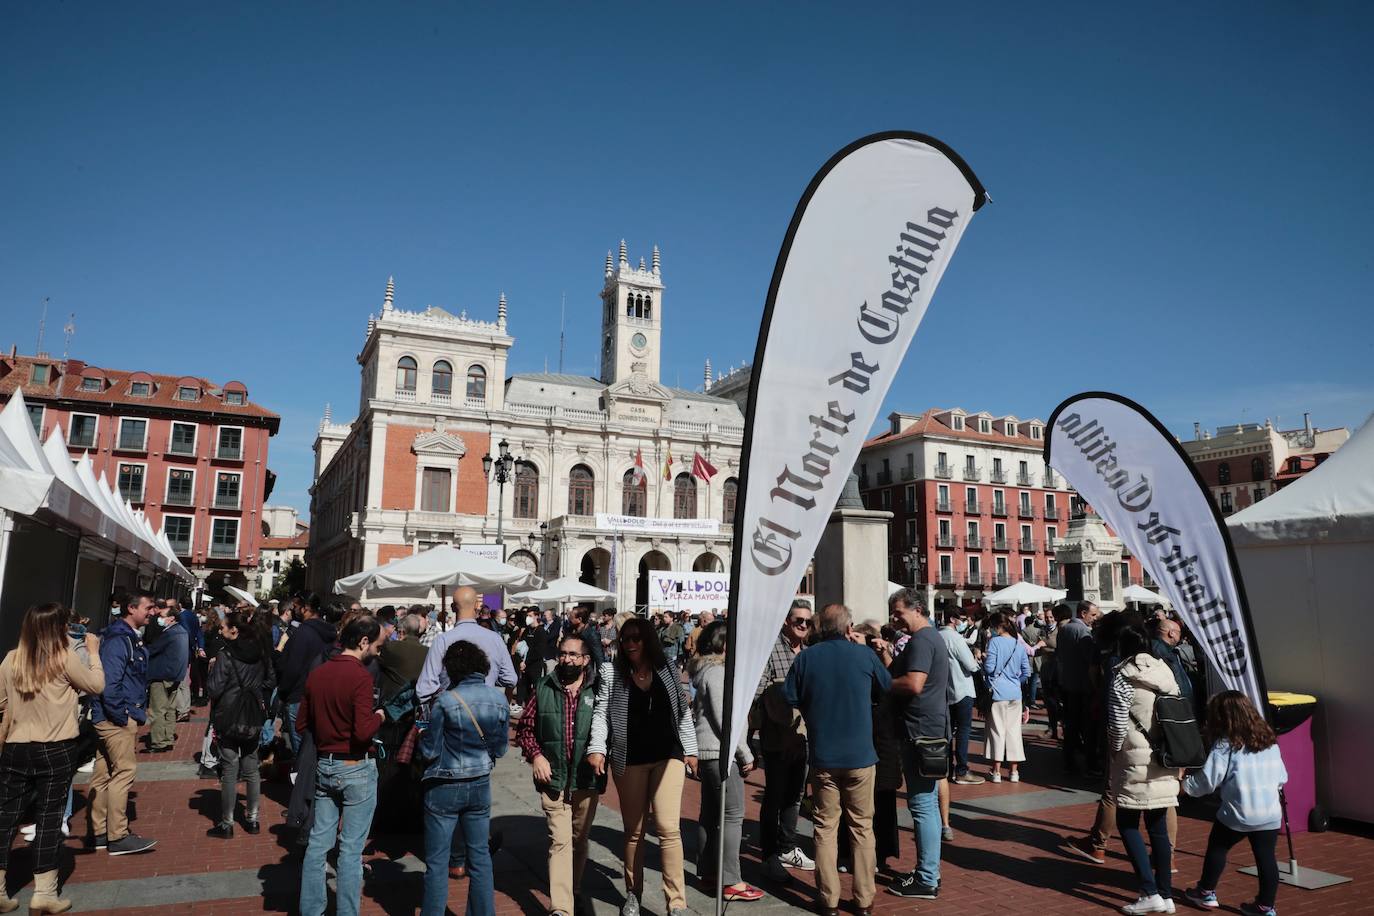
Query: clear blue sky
column 1180, row 194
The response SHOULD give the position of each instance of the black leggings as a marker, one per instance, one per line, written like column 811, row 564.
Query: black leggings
column 1262, row 843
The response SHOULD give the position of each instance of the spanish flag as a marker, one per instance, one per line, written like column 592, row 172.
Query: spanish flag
column 668, row 467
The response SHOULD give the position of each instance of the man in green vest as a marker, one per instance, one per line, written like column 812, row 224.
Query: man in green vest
column 553, row 733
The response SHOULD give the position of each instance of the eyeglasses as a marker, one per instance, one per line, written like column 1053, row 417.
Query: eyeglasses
column 801, row 622
column 572, row 654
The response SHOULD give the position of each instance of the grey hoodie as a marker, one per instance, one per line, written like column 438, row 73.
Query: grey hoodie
column 708, row 710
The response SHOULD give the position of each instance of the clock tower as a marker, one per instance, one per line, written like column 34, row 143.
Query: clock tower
column 631, row 320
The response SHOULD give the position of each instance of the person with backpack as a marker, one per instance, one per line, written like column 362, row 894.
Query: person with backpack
column 1246, row 769
column 240, row 681
column 304, row 651
column 1138, row 784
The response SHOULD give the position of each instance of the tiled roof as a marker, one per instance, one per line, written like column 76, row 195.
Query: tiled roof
column 17, row 371
column 300, row 542
column 928, row 423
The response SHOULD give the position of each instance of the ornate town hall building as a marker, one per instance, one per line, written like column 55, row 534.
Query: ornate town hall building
column 408, row 473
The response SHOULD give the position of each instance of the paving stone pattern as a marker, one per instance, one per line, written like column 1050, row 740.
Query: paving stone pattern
column 1004, row 857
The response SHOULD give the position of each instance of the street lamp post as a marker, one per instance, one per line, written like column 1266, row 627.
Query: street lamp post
column 501, row 466
column 543, row 538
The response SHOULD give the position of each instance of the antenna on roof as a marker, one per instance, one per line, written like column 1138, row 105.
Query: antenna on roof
column 69, row 330
column 562, row 321
column 42, row 324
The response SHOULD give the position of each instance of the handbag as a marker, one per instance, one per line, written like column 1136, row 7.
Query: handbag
column 932, row 757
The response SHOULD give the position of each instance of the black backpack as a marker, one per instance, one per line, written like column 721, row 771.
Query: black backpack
column 1178, row 740
column 240, row 720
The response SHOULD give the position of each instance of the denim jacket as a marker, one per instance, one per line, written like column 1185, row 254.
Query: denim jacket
column 452, row 743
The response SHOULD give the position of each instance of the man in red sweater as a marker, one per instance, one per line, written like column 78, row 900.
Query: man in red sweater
column 338, row 709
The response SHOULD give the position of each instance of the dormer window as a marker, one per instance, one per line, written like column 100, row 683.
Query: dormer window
column 984, row 426
column 90, row 383
column 140, row 389
column 956, row 422
column 1035, row 432
column 41, row 374
column 1009, row 429
column 187, row 393
column 236, row 398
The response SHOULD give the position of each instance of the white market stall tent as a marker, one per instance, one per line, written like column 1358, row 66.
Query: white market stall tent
column 1305, row 555
column 564, row 589
column 1024, row 593
column 443, row 567
column 1139, row 594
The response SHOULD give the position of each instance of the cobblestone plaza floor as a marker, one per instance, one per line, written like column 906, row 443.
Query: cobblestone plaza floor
column 1004, row 856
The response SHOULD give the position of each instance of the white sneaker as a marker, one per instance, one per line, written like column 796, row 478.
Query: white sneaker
column 87, row 767
column 1015, row 776
column 1151, row 904
column 776, row 871
column 798, row 860
column 995, row 777
column 66, row 829
column 28, row 832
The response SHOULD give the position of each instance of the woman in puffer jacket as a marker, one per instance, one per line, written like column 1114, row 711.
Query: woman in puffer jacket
column 1139, row 785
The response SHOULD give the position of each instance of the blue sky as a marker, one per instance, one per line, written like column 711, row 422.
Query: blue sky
column 1180, row 192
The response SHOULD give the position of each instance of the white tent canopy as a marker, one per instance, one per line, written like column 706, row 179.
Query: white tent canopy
column 1024, row 593
column 1305, row 554
column 439, row 567
column 241, row 595
column 1142, row 595
column 566, row 589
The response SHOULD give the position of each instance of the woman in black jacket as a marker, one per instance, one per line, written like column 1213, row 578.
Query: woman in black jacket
column 241, row 667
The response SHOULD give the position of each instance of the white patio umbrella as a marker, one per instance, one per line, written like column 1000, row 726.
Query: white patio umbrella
column 1142, row 595
column 566, row 589
column 443, row 567
column 241, row 595
column 1024, row 593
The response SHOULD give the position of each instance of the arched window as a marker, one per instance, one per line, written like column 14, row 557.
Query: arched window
column 1257, row 469
column 635, row 496
column 629, row 306
column 1224, row 472
column 405, row 374
column 729, row 493
column 526, row 490
column 477, row 383
column 648, row 307
column 581, row 484
column 684, row 497
column 442, row 380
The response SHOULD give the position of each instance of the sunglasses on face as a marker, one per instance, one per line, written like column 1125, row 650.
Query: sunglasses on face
column 800, row 622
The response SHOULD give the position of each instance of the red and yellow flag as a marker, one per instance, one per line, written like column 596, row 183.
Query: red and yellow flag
column 668, row 467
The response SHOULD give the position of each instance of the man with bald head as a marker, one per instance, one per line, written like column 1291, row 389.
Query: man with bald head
column 433, row 678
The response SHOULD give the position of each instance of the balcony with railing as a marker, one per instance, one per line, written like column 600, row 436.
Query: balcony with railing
column 972, row 507
column 944, row 540
column 944, row 577
column 180, row 546
column 999, row 509
column 884, row 478
column 1024, row 511
column 1026, row 545
column 944, row 472
column 973, row 580
column 227, row 500
column 997, row 476
column 179, row 498
column 1051, row 513
column 1033, row 580
column 223, row 551
column 229, row 452
column 405, row 395
column 973, row 472
column 1001, row 544
column 1001, row 579
column 1055, row 580
column 1050, row 544
column 1050, row 482
column 908, row 473
column 1024, row 479
column 441, row 398
column 943, row 505
column 973, row 542
column 184, row 449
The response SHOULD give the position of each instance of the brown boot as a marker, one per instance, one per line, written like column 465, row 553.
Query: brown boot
column 45, row 894
column 7, row 903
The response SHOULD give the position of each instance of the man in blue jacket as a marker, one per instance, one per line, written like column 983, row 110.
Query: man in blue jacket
column 195, row 641
column 117, row 713
column 168, row 658
column 835, row 684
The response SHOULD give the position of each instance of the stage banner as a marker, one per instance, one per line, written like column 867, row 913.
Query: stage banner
column 634, row 524
column 861, row 259
column 1133, row 473
column 692, row 592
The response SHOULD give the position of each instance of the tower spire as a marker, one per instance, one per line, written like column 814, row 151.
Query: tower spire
column 501, row 311
column 608, row 262
column 624, row 255
column 641, row 262
column 389, row 299
column 655, row 260
column 707, row 374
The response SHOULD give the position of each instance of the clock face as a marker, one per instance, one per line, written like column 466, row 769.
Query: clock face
column 639, row 341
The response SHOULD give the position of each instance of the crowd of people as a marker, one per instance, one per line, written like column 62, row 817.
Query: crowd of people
column 391, row 717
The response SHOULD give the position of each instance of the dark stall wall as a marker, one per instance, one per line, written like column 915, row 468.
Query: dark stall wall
column 40, row 568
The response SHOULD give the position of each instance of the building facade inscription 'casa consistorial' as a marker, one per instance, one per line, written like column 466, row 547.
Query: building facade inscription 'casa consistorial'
column 435, row 398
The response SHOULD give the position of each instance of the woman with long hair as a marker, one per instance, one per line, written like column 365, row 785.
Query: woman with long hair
column 241, row 681
column 1007, row 667
column 39, row 682
column 1139, row 785
column 644, row 724
column 1246, row 770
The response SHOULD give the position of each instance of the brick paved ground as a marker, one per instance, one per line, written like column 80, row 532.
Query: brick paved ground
column 997, row 862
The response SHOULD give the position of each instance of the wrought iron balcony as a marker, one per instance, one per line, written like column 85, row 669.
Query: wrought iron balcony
column 944, row 472
column 997, row 476
column 972, row 507
column 973, row 473
column 884, row 478
column 944, row 540
column 1051, row 513
column 1001, row 544
column 1025, row 512
column 943, row 505
column 1026, row 545
column 1023, row 479
column 973, row 542
column 999, row 509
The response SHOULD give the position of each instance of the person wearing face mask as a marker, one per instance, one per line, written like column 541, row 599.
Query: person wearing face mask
column 553, row 734
column 168, row 659
column 962, row 665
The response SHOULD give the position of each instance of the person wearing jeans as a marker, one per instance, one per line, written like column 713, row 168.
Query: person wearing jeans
column 962, row 665
column 467, row 732
column 337, row 708
column 782, row 737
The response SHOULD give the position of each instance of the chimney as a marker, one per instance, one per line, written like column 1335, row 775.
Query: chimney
column 1307, row 422
column 1197, row 430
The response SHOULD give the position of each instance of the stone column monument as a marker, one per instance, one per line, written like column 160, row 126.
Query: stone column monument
column 1090, row 557
column 851, row 558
